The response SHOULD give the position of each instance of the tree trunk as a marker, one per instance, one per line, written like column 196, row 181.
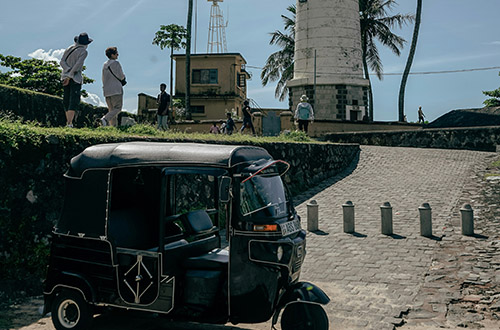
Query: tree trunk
column 188, row 60
column 370, row 93
column 409, row 62
column 172, row 79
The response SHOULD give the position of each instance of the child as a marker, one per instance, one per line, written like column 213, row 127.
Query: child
column 214, row 129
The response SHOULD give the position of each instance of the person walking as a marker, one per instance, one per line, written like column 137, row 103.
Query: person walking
column 247, row 117
column 163, row 101
column 113, row 80
column 421, row 115
column 72, row 66
column 230, row 125
column 304, row 113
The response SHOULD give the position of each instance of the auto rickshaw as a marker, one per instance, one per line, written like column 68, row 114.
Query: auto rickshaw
column 140, row 230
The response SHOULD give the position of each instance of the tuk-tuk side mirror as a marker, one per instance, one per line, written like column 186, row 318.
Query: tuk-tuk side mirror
column 225, row 189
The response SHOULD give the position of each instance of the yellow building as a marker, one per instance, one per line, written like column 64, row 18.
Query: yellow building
column 218, row 84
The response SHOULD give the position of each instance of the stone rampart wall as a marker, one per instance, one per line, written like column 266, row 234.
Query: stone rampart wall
column 469, row 138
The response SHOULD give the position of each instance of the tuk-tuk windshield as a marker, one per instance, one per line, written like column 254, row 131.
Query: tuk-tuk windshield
column 263, row 192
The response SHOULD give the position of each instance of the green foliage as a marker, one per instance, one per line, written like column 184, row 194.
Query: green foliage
column 376, row 24
column 495, row 97
column 34, row 74
column 279, row 65
column 295, row 136
column 171, row 36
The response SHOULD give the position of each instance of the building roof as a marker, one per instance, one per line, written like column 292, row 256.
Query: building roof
column 211, row 55
column 107, row 156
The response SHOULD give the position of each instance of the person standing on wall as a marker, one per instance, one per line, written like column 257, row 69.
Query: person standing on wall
column 163, row 101
column 421, row 115
column 113, row 80
column 247, row 117
column 72, row 64
column 304, row 113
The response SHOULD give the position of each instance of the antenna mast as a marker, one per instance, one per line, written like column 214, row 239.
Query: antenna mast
column 216, row 30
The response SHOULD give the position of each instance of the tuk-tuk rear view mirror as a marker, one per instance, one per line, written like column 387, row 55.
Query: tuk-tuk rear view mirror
column 225, row 189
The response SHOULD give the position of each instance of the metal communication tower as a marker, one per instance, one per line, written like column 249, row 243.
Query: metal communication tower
column 216, row 29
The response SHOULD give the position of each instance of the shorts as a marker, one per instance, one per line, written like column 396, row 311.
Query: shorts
column 71, row 98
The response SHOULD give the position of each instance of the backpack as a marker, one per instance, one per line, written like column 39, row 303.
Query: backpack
column 303, row 112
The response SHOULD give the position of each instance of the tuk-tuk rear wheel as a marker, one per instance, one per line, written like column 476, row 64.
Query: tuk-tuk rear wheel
column 71, row 311
column 304, row 316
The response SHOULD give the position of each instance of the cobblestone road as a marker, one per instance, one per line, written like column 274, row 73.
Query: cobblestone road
column 373, row 279
column 382, row 282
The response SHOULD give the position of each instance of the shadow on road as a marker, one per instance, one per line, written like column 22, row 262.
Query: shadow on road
column 304, row 196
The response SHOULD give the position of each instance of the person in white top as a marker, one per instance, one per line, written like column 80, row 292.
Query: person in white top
column 113, row 80
column 304, row 113
column 71, row 76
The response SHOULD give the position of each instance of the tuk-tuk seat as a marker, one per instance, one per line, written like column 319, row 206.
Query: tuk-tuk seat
column 199, row 222
column 217, row 259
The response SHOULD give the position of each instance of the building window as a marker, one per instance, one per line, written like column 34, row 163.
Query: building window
column 205, row 76
column 197, row 109
column 242, row 80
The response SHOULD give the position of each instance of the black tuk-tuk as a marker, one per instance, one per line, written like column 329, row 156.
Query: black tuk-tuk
column 139, row 230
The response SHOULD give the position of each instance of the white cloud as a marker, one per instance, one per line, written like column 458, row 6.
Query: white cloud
column 94, row 99
column 495, row 43
column 51, row 55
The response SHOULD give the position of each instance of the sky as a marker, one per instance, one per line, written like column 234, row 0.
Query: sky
column 454, row 35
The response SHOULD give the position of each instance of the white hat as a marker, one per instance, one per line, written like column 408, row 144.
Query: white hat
column 304, row 98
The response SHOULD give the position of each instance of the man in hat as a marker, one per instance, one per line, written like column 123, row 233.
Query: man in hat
column 71, row 76
column 304, row 113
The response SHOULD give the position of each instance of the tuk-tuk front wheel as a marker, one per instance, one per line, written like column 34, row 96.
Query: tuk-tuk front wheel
column 71, row 311
column 304, row 316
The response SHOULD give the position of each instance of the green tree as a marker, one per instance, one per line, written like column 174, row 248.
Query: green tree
column 34, row 74
column 376, row 24
column 171, row 36
column 411, row 55
column 279, row 65
column 495, row 97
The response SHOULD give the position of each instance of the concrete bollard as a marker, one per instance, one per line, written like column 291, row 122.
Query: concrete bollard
column 425, row 220
column 386, row 214
column 312, row 215
column 348, row 209
column 467, row 220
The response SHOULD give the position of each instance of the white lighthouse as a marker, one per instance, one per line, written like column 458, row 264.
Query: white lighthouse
column 328, row 59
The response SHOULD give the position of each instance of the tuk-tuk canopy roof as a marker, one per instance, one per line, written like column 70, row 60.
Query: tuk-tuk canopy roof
column 107, row 156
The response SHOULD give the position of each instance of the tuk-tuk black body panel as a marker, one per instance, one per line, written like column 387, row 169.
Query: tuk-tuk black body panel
column 256, row 289
column 83, row 264
column 85, row 211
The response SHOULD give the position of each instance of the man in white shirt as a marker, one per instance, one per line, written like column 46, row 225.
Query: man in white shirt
column 113, row 80
column 72, row 65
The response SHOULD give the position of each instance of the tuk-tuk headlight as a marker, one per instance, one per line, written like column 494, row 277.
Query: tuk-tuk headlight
column 279, row 253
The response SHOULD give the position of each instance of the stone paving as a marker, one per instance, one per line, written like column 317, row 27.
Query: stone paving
column 404, row 280
column 373, row 280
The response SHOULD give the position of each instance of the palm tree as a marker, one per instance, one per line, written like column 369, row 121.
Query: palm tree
column 279, row 65
column 376, row 25
column 409, row 62
column 171, row 36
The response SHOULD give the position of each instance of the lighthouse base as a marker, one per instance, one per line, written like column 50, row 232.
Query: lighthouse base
column 333, row 102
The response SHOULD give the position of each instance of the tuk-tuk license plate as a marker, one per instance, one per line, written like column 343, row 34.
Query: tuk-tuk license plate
column 290, row 227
